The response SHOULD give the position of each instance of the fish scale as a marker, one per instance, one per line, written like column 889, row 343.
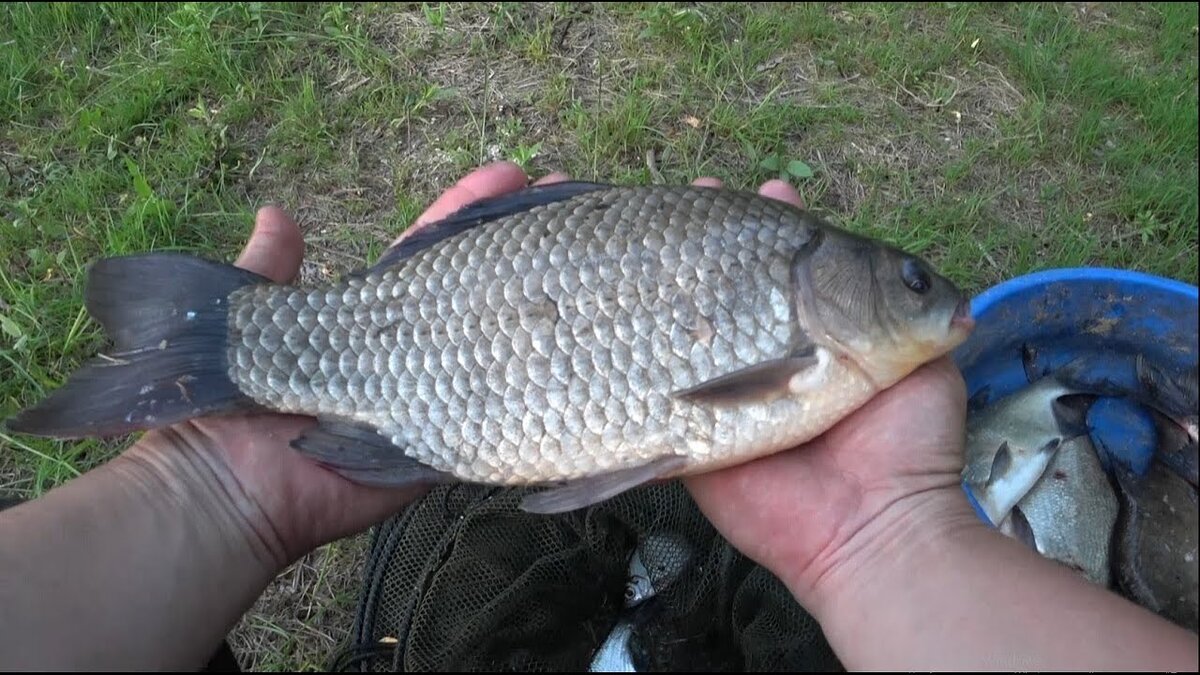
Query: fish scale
column 567, row 332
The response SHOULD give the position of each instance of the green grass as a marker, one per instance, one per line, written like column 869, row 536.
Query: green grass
column 995, row 138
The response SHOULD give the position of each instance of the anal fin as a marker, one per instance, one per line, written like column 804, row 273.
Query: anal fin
column 360, row 454
column 583, row 492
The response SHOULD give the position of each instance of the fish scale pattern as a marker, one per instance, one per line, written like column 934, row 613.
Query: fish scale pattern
column 546, row 345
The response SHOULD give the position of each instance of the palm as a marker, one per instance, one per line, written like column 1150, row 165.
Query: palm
column 792, row 510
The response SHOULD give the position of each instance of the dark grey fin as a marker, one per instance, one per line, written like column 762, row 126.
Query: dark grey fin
column 1021, row 530
column 358, row 453
column 1051, row 446
column 758, row 383
column 1001, row 463
column 1070, row 412
column 1107, row 458
column 483, row 211
column 1029, row 360
column 166, row 314
column 585, row 492
column 1176, row 397
column 979, row 399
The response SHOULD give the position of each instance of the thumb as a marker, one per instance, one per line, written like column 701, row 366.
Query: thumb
column 276, row 246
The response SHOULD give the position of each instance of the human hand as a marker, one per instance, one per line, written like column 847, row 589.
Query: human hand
column 290, row 503
column 810, row 513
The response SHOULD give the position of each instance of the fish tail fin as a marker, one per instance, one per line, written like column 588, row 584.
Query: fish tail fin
column 166, row 315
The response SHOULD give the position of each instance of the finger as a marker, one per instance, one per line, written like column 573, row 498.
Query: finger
column 489, row 181
column 276, row 246
column 779, row 190
column 556, row 177
column 708, row 182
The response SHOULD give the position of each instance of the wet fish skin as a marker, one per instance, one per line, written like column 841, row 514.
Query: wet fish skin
column 1155, row 557
column 1071, row 512
column 614, row 655
column 587, row 336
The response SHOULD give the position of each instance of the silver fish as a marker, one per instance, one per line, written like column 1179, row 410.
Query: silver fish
column 1069, row 514
column 614, row 656
column 1011, row 442
column 655, row 564
column 1156, row 544
column 668, row 556
column 588, row 337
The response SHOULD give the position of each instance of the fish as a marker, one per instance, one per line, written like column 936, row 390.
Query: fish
column 614, row 654
column 1173, row 405
column 1175, row 397
column 1011, row 442
column 1155, row 543
column 656, row 564
column 580, row 338
column 1176, row 449
column 1069, row 514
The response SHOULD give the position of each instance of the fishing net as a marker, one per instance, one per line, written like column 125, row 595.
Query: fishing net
column 463, row 580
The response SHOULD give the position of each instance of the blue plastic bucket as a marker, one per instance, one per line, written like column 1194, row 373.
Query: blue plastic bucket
column 1066, row 313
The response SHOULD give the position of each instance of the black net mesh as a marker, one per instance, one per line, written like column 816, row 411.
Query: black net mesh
column 463, row 580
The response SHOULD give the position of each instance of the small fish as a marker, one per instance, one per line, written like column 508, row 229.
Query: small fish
column 1176, row 397
column 1174, row 407
column 1177, row 450
column 584, row 337
column 614, row 655
column 1069, row 514
column 1155, row 561
column 1011, row 442
column 656, row 564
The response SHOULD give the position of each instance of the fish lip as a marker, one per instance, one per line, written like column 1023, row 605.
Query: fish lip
column 962, row 319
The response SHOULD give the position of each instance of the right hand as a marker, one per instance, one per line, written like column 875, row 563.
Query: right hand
column 818, row 514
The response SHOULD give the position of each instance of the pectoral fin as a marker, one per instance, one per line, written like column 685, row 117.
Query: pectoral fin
column 758, row 383
column 585, row 492
column 1001, row 463
column 1017, row 526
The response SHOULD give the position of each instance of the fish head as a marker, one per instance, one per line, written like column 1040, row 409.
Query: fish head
column 885, row 309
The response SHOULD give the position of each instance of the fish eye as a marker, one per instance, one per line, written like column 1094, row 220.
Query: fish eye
column 915, row 278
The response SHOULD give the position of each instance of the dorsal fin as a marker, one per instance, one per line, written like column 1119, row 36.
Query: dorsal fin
column 480, row 212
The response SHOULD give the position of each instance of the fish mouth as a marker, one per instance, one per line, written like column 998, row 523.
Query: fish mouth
column 962, row 320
